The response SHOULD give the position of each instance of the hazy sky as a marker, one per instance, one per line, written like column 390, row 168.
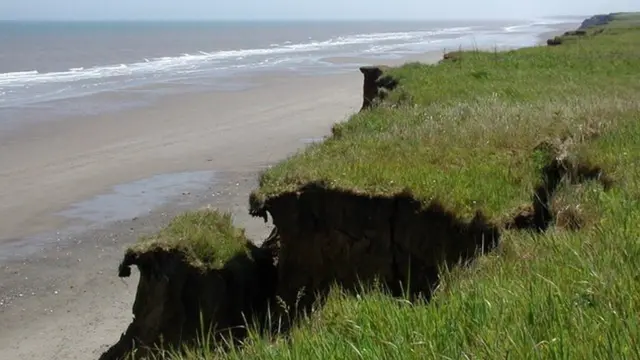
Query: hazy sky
column 303, row 9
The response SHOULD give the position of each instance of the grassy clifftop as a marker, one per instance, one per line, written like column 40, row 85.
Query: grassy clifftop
column 207, row 239
column 477, row 135
column 464, row 132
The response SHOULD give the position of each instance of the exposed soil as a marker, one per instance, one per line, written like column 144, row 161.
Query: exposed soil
column 555, row 41
column 376, row 85
column 332, row 236
column 539, row 216
column 176, row 302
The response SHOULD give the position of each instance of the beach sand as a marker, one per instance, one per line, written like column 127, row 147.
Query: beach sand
column 60, row 297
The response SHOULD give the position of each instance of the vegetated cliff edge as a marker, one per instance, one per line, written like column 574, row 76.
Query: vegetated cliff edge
column 597, row 20
column 431, row 172
column 424, row 177
column 591, row 26
column 200, row 276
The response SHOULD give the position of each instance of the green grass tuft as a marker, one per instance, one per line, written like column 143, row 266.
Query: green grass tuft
column 207, row 238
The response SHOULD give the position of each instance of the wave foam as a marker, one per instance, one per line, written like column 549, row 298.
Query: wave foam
column 536, row 23
column 189, row 62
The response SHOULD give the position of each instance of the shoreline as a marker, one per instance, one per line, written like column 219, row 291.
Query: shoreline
column 150, row 96
column 77, row 281
column 130, row 98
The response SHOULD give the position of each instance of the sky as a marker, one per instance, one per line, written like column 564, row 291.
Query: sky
column 302, row 9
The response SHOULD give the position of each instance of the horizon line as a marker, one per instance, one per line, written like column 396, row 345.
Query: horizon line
column 280, row 19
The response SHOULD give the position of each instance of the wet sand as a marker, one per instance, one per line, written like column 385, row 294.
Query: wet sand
column 52, row 165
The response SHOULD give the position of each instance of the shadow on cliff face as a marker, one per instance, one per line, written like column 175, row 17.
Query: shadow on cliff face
column 332, row 236
column 176, row 302
column 376, row 85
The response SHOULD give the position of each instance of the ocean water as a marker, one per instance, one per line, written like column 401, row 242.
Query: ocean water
column 48, row 66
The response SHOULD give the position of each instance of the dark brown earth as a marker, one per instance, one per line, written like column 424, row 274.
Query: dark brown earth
column 376, row 85
column 175, row 299
column 331, row 236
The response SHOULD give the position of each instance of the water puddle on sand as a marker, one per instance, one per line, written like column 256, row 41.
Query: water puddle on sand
column 124, row 202
column 130, row 200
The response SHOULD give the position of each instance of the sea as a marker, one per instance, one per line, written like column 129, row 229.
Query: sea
column 65, row 68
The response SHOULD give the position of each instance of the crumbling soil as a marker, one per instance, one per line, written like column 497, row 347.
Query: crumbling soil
column 332, row 236
column 561, row 167
column 376, row 85
column 176, row 301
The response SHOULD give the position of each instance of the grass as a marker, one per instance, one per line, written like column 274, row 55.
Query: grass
column 207, row 238
column 466, row 138
column 625, row 20
column 479, row 118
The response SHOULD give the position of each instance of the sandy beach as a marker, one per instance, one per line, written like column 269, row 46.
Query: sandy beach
column 60, row 297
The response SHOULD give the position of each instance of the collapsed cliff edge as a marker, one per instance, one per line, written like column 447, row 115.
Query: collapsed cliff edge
column 376, row 85
column 329, row 235
column 323, row 236
column 183, row 295
column 583, row 29
column 332, row 236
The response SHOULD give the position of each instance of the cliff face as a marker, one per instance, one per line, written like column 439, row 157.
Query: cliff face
column 330, row 236
column 176, row 300
column 376, row 85
column 596, row 20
